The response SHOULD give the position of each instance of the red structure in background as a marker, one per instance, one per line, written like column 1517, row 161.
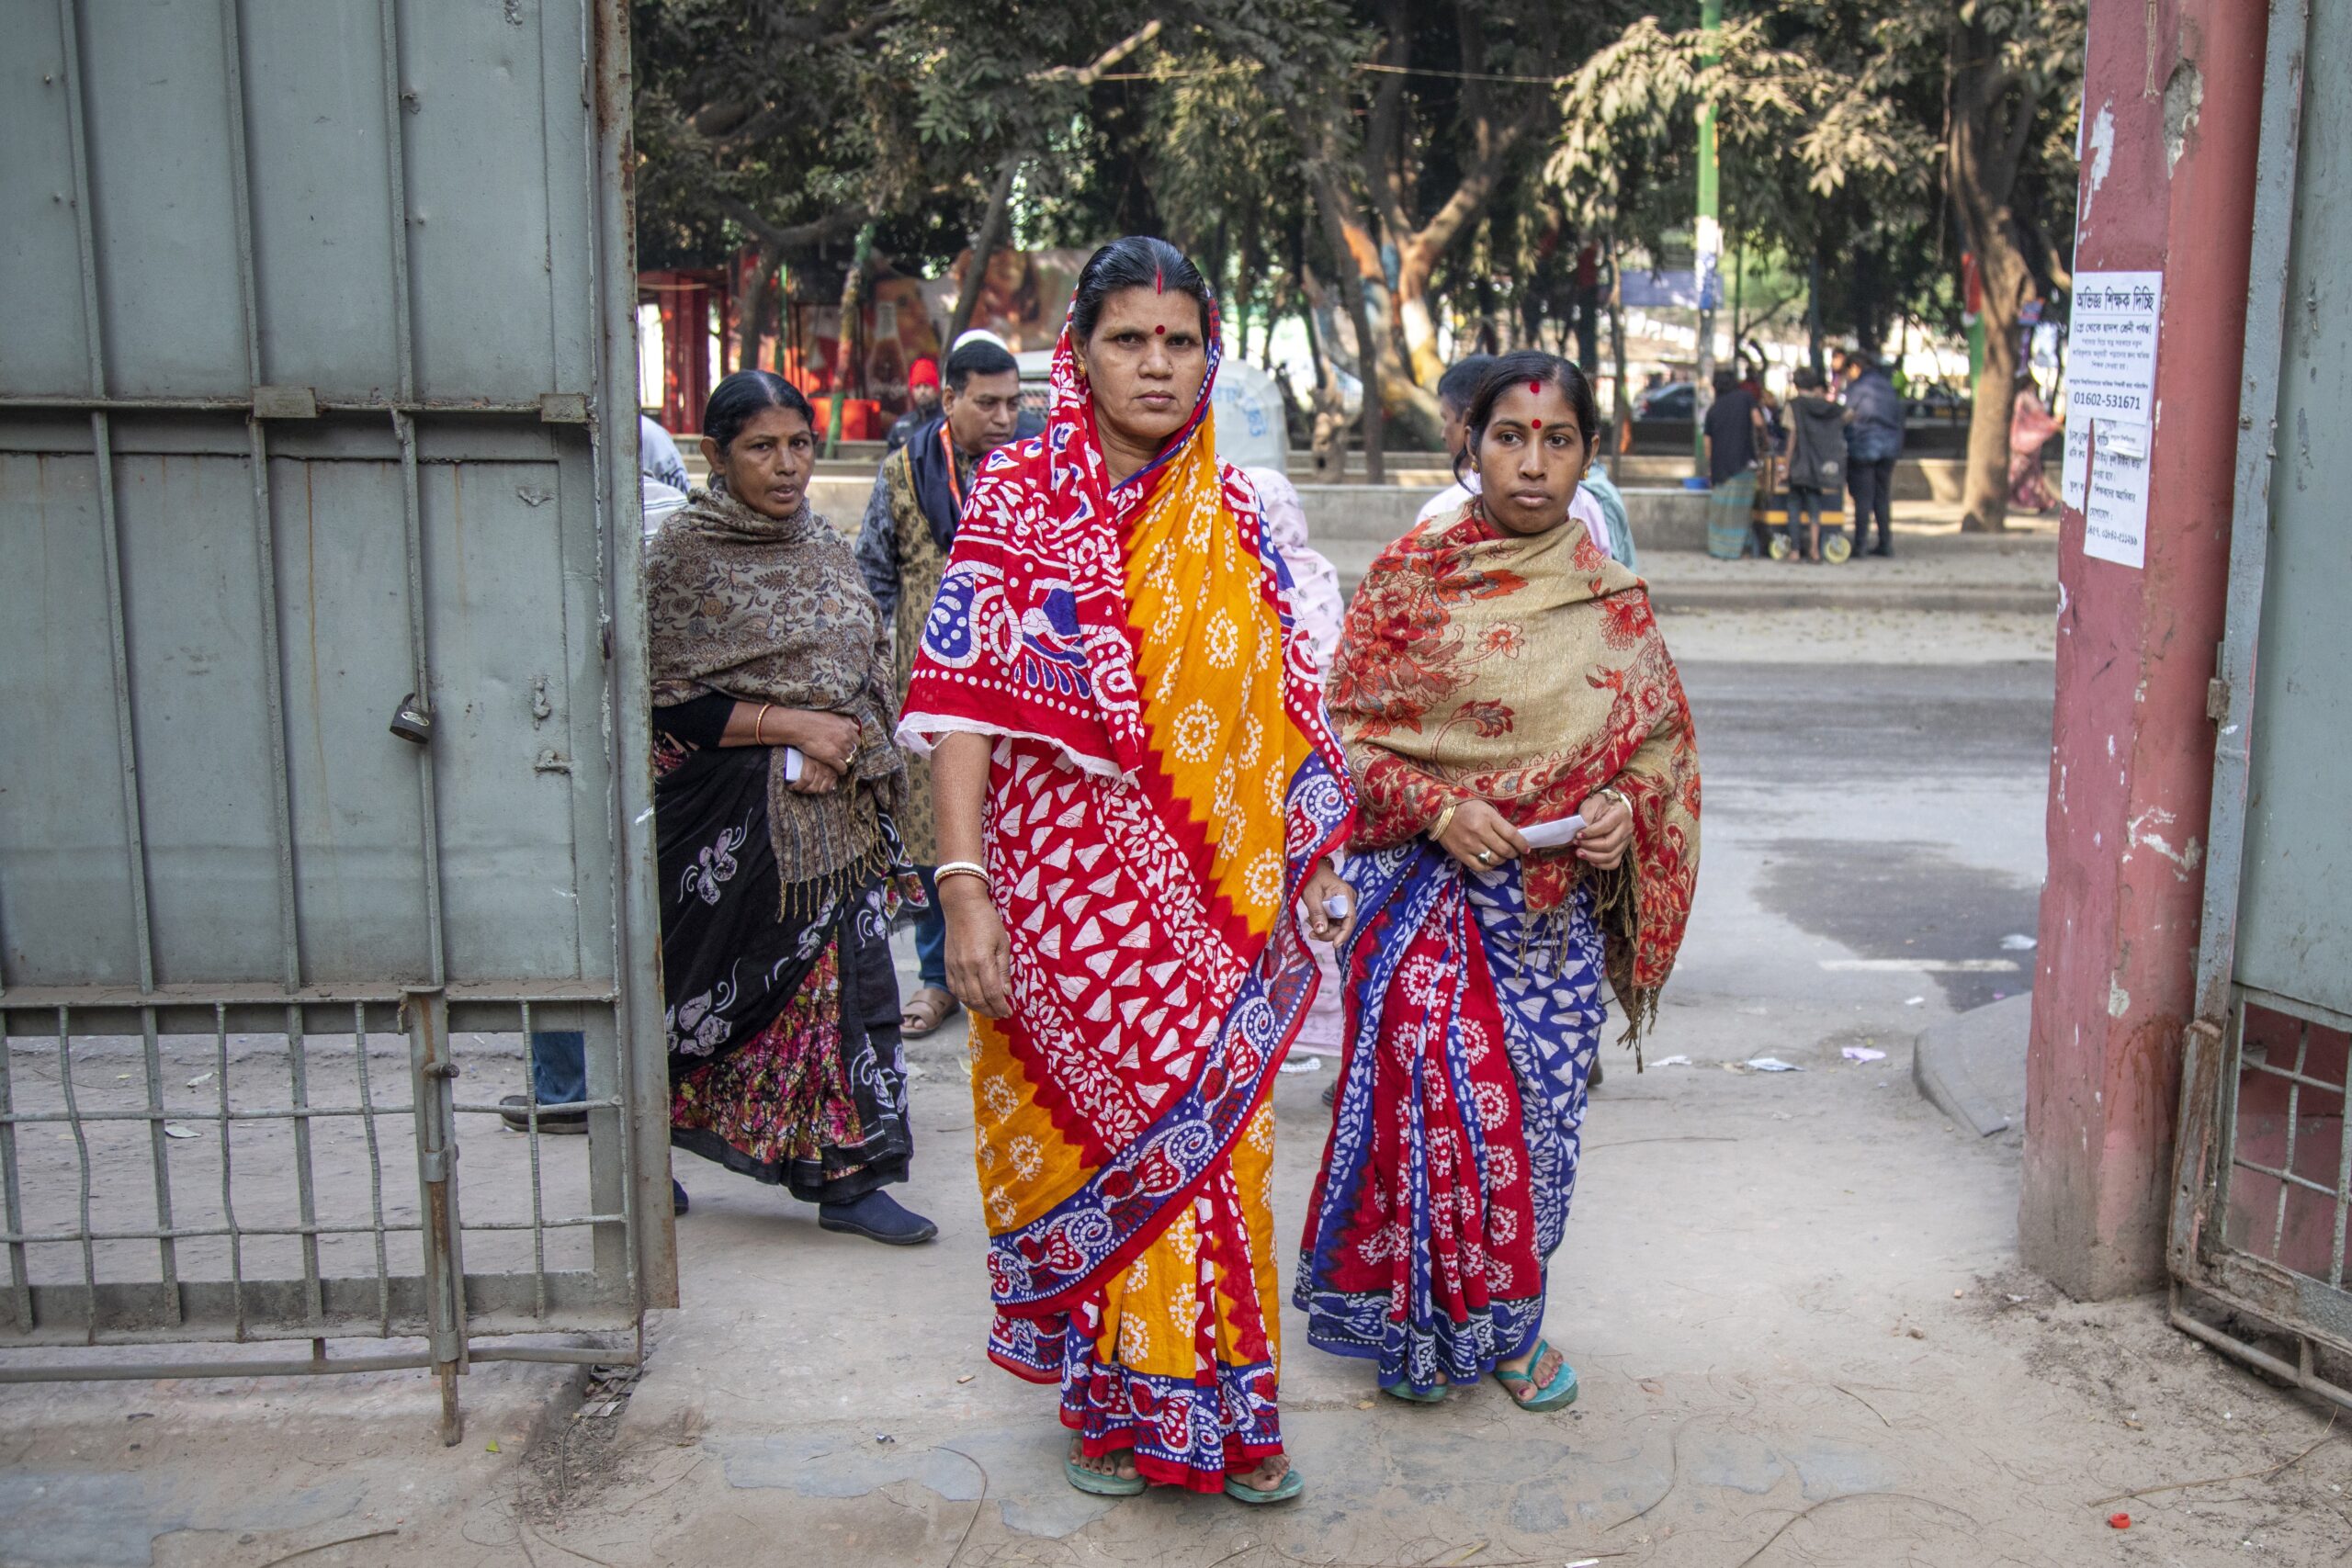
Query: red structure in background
column 2131, row 756
column 702, row 304
column 687, row 300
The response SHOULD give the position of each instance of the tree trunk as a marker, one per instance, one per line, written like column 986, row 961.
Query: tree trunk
column 984, row 244
column 1620, row 409
column 1991, row 118
column 1327, row 423
column 1329, row 203
column 1812, row 308
column 1985, row 490
column 752, row 318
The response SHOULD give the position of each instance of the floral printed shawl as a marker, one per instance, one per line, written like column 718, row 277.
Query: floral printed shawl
column 775, row 611
column 1527, row 673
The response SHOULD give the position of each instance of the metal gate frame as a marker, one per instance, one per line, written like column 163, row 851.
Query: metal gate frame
column 626, row 1099
column 2315, row 1316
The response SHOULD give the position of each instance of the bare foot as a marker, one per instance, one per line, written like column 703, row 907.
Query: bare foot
column 1539, row 1378
column 1120, row 1465
column 1267, row 1476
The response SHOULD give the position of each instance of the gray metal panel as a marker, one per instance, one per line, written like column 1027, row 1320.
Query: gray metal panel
column 322, row 196
column 41, row 344
column 481, row 247
column 65, row 910
column 160, row 195
column 343, row 619
column 2294, row 935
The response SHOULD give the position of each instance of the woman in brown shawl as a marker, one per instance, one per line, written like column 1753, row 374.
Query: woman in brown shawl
column 1498, row 674
column 774, row 777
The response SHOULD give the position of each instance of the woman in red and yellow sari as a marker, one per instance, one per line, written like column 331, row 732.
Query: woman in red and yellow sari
column 1135, row 789
column 1498, row 675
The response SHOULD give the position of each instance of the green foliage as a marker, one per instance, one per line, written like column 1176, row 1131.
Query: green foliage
column 1832, row 119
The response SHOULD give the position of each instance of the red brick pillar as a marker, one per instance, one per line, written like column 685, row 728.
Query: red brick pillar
column 2171, row 103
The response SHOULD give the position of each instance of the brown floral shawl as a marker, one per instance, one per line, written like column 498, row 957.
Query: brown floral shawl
column 1527, row 673
column 770, row 611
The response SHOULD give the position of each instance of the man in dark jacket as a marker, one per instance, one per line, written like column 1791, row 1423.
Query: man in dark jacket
column 1873, row 441
column 908, row 529
column 1817, row 460
column 922, row 394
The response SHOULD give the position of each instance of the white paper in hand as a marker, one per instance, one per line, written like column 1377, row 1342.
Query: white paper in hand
column 1552, row 835
column 791, row 764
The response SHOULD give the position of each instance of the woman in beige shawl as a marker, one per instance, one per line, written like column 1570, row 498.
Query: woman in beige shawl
column 775, row 781
column 1499, row 676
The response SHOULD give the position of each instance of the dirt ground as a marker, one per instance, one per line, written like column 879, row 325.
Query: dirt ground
column 1793, row 1298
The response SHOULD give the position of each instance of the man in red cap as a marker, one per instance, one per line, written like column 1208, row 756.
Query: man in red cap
column 922, row 387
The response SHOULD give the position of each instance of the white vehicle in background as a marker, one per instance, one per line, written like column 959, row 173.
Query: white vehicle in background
column 1250, row 429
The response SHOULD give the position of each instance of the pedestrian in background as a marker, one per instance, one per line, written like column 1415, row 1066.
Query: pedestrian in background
column 1735, row 434
column 774, row 782
column 1473, row 976
column 1873, row 442
column 1139, row 796
column 1816, row 461
column 902, row 547
column 1313, row 581
column 2030, row 428
column 657, row 455
column 924, row 395
column 1455, row 389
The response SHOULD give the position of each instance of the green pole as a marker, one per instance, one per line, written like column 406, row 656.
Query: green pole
column 853, row 300
column 1710, row 244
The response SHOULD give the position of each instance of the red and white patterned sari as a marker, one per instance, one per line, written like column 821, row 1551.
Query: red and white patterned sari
column 1163, row 782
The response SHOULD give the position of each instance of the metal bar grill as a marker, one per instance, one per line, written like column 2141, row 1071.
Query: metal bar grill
column 20, row 1289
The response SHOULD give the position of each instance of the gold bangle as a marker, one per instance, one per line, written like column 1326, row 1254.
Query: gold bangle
column 1445, row 821
column 759, row 725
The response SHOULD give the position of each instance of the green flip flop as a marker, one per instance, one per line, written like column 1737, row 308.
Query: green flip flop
column 1407, row 1392
column 1556, row 1395
column 1099, row 1484
column 1291, row 1485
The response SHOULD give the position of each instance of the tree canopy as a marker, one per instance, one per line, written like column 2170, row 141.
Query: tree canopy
column 1390, row 171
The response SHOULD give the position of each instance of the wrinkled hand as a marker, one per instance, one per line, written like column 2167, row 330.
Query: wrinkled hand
column 980, row 954
column 1323, row 884
column 1608, row 830
column 1478, row 829
column 816, row 777
column 826, row 737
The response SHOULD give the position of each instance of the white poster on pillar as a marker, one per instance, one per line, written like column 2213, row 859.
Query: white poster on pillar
column 2115, row 505
column 2111, row 347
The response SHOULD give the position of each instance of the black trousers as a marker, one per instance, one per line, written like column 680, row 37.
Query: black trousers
column 1873, row 485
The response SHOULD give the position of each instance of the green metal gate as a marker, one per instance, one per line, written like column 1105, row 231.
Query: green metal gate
column 316, row 409
column 2263, row 1202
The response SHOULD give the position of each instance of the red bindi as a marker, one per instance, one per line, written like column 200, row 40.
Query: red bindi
column 1160, row 332
column 1536, row 388
column 1535, row 424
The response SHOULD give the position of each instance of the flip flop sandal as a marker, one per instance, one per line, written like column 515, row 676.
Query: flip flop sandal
column 1407, row 1392
column 1098, row 1484
column 947, row 1012
column 1291, row 1485
column 1556, row 1395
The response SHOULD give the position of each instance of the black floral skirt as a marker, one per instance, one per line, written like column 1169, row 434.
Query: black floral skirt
column 785, row 1062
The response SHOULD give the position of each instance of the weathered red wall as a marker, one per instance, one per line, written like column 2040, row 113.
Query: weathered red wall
column 2171, row 105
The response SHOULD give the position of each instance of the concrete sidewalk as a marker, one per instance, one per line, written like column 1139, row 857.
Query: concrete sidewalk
column 1793, row 1300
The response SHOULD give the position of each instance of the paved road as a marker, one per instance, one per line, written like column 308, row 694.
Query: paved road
column 1869, row 814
